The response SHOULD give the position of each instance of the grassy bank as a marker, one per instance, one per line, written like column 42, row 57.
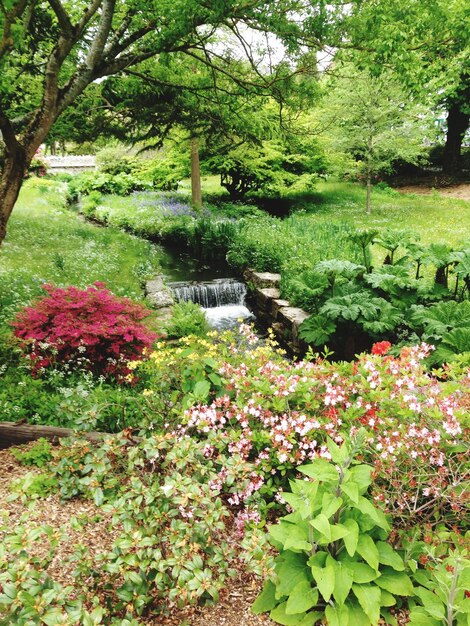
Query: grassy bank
column 46, row 242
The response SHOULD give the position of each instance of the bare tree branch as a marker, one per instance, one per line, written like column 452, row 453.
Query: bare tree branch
column 62, row 16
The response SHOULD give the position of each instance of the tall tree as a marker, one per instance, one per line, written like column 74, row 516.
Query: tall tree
column 52, row 50
column 427, row 45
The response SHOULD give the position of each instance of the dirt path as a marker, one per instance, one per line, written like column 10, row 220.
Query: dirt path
column 461, row 191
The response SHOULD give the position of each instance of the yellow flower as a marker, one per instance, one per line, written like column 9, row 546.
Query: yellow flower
column 133, row 364
column 147, row 392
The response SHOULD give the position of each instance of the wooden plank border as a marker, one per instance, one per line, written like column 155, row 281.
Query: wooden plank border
column 14, row 434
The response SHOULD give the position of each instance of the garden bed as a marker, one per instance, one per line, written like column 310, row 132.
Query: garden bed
column 98, row 534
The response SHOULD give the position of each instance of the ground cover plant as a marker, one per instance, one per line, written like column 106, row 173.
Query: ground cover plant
column 228, row 426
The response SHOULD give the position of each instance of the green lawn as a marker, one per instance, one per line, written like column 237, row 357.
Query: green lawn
column 46, row 242
column 433, row 217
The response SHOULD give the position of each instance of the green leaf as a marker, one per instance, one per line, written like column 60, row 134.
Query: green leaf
column 366, row 507
column 317, row 330
column 351, row 489
column 343, row 582
column 368, row 550
column 280, row 616
column 290, row 536
column 298, row 502
column 361, row 475
column 291, row 569
column 389, row 618
column 397, row 583
column 330, row 504
column 338, row 615
column 266, row 599
column 362, row 573
column 9, row 589
column 387, row 599
column 351, row 539
column 320, row 469
column 338, row 531
column 338, row 454
column 357, row 617
column 297, row 542
column 325, row 578
column 389, row 556
column 318, row 559
column 419, row 617
column 369, row 599
column 322, row 524
column 201, row 389
column 52, row 617
column 302, row 598
column 431, row 602
column 98, row 496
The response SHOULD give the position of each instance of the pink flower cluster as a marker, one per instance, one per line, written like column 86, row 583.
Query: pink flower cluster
column 277, row 415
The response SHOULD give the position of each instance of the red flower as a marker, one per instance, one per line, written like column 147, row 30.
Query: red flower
column 381, row 347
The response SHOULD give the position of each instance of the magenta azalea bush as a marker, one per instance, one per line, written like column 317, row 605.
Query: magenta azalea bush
column 87, row 328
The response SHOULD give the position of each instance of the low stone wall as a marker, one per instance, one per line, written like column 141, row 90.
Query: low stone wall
column 283, row 318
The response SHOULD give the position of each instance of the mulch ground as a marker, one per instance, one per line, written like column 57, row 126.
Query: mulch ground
column 233, row 608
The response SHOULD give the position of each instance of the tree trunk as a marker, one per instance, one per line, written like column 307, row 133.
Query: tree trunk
column 196, row 193
column 457, row 125
column 368, row 189
column 14, row 168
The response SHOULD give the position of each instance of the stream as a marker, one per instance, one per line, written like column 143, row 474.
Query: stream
column 214, row 287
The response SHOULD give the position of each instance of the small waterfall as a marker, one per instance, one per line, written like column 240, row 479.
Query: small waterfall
column 211, row 294
column 223, row 300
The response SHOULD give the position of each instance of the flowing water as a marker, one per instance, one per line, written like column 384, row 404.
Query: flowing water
column 222, row 298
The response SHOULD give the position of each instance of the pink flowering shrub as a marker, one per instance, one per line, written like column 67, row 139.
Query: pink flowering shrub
column 279, row 415
column 87, row 328
column 38, row 165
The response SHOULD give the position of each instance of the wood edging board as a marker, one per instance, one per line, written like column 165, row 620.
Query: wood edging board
column 13, row 434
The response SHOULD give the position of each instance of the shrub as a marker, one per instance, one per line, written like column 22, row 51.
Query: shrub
column 175, row 543
column 187, row 319
column 280, row 415
column 89, row 328
column 38, row 455
column 334, row 560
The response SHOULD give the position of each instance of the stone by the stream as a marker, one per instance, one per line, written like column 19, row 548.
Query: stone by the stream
column 262, row 280
column 160, row 297
column 283, row 318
